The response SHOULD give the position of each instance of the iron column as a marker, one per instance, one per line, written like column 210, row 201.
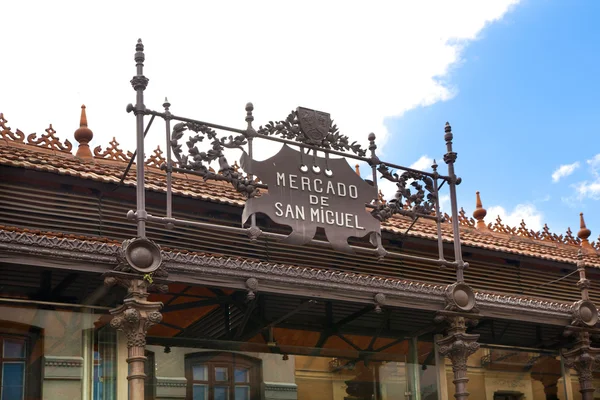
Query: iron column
column 139, row 83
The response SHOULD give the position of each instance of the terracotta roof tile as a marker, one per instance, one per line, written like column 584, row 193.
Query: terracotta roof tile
column 514, row 241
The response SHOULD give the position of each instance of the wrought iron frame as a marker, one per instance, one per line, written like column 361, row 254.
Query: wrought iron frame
column 142, row 255
column 420, row 201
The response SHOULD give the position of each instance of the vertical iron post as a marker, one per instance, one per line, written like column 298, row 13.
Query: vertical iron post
column 139, row 83
column 460, row 310
column 438, row 215
column 250, row 133
column 582, row 357
column 449, row 159
column 166, row 105
column 374, row 163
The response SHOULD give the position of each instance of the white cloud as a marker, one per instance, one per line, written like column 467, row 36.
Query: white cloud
column 388, row 188
column 588, row 189
column 594, row 164
column 571, row 201
column 445, row 203
column 564, row 171
column 359, row 62
column 422, row 164
column 527, row 212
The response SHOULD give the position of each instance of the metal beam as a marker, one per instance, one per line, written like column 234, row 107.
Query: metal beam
column 176, row 295
column 263, row 348
column 353, row 316
column 300, row 307
column 173, row 326
column 321, row 341
column 247, row 314
column 194, row 304
column 384, row 321
column 391, row 344
column 345, row 339
column 63, row 285
column 45, row 285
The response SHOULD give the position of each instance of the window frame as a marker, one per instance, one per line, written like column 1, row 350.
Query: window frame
column 149, row 370
column 232, row 361
column 34, row 350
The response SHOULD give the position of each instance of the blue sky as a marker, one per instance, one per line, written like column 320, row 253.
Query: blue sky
column 525, row 102
column 516, row 79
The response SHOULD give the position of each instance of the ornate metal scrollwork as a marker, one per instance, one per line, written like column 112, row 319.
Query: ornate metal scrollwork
column 295, row 128
column 198, row 161
column 421, row 201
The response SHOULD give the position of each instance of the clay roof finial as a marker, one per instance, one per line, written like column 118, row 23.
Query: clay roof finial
column 583, row 234
column 381, row 197
column 357, row 169
column 84, row 135
column 479, row 213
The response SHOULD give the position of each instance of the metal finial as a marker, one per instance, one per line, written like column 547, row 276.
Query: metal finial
column 450, row 156
column 139, row 54
column 434, row 166
column 448, row 131
column 166, row 104
column 379, row 301
column 373, row 147
column 250, row 131
column 249, row 116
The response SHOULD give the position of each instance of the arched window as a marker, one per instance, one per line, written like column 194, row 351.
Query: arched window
column 222, row 376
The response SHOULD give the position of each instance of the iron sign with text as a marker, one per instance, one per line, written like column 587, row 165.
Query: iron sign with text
column 307, row 192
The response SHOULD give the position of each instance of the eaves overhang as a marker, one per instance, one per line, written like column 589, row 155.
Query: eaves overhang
column 228, row 272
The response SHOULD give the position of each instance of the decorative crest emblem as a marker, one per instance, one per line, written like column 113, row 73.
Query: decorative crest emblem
column 314, row 124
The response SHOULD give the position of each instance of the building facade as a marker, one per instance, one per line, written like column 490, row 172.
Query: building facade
column 226, row 313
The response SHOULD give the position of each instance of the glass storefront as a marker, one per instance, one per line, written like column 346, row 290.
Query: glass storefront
column 56, row 352
column 287, row 372
column 49, row 351
column 497, row 373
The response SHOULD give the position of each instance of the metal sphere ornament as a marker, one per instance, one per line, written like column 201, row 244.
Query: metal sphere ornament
column 143, row 255
column 461, row 296
column 586, row 312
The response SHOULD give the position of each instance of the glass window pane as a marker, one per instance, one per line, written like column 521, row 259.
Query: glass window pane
column 12, row 392
column 221, row 392
column 199, row 392
column 221, row 374
column 242, row 393
column 200, row 372
column 241, row 375
column 14, row 348
column 12, row 380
